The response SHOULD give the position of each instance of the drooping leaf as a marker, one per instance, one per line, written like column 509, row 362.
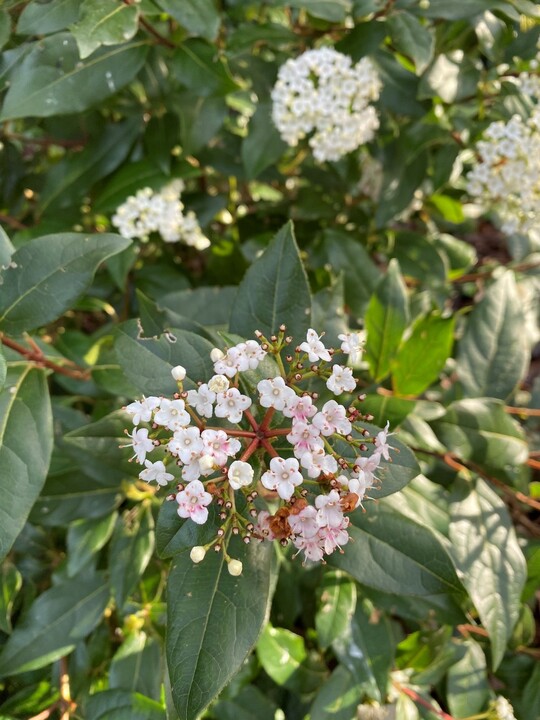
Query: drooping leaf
column 274, row 290
column 56, row 621
column 25, row 448
column 494, row 351
column 214, row 620
column 52, row 80
column 489, row 559
column 58, row 267
column 103, row 22
column 412, row 38
column 386, row 319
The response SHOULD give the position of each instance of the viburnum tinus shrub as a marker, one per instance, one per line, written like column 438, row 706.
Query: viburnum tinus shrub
column 276, row 463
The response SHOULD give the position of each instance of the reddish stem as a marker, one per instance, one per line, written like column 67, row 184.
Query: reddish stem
column 37, row 356
column 268, row 447
column 420, row 700
column 248, row 452
column 274, row 432
column 267, row 419
column 251, row 420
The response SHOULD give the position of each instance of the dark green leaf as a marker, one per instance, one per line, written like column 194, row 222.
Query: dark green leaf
column 337, row 601
column 274, row 290
column 6, row 251
column 494, row 351
column 490, row 561
column 3, row 368
column 25, row 447
column 136, row 666
column 531, row 696
column 423, row 355
column 199, row 17
column 131, row 548
column 5, row 27
column 214, row 620
column 249, row 704
column 338, row 698
column 386, row 319
column 84, row 539
column 413, row 39
column 52, row 80
column 198, row 66
column 39, row 18
column 467, row 687
column 103, row 22
column 56, row 621
column 331, row 10
column 263, row 145
column 10, row 584
column 58, row 267
column 122, row 705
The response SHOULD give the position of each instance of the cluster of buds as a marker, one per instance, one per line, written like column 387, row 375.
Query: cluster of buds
column 314, row 460
column 161, row 212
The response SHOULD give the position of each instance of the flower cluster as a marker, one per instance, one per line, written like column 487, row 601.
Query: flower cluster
column 163, row 212
column 501, row 709
column 507, row 174
column 317, row 473
column 323, row 93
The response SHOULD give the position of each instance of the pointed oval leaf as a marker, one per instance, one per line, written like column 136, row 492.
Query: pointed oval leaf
column 336, row 604
column 56, row 621
column 489, row 559
column 494, row 352
column 56, row 267
column 25, row 448
column 214, row 621
column 274, row 290
column 122, row 705
column 104, row 23
column 199, row 17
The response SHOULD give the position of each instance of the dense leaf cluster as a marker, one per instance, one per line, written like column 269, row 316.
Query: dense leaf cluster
column 432, row 611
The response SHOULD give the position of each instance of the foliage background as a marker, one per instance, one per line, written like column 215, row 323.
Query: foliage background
column 434, row 608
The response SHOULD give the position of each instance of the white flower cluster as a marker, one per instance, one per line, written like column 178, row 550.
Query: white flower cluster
column 214, row 461
column 323, row 93
column 529, row 81
column 507, row 174
column 163, row 212
column 501, row 709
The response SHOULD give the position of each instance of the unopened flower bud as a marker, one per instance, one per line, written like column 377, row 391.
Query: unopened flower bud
column 218, row 383
column 216, row 354
column 206, row 463
column 234, row 567
column 178, row 373
column 197, row 554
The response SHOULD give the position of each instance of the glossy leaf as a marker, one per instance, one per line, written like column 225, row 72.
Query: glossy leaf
column 214, row 620
column 386, row 319
column 199, row 17
column 123, row 705
column 494, row 351
column 338, row 698
column 131, row 664
column 25, row 448
column 56, row 621
column 274, row 290
column 262, row 146
column 38, row 18
column 467, row 684
column 84, row 539
column 52, row 80
column 59, row 267
column 337, row 601
column 199, row 67
column 104, row 23
column 413, row 39
column 489, row 559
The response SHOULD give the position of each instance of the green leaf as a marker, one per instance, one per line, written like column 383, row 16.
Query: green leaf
column 489, row 559
column 386, row 319
column 394, row 554
column 336, row 603
column 174, row 535
column 285, row 658
column 25, row 448
column 122, row 705
column 330, row 10
column 531, row 695
column 84, row 539
column 148, row 362
column 480, row 430
column 347, row 255
column 58, row 267
column 423, row 355
column 130, row 551
column 263, row 145
column 199, row 17
column 274, row 290
column 462, row 9
column 10, row 583
column 493, row 354
column 249, row 704
column 6, row 251
column 214, row 620
column 39, row 18
column 103, row 22
column 467, row 686
column 338, row 698
column 56, row 621
column 3, row 368
column 199, row 67
column 130, row 666
column 452, row 77
column 5, row 27
column 412, row 38
column 52, row 80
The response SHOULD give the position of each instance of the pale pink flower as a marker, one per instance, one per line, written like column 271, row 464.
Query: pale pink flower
column 263, row 526
column 300, row 408
column 334, row 537
column 318, row 462
column 192, row 502
column 381, row 442
column 332, row 419
column 282, row 476
column 314, row 347
column 219, row 445
column 329, row 509
column 341, row 380
column 312, row 547
column 305, row 438
column 274, row 393
column 305, row 523
column 186, row 444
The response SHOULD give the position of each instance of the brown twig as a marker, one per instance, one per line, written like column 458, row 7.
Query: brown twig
column 146, row 25
column 534, row 412
column 421, row 701
column 12, row 222
column 35, row 354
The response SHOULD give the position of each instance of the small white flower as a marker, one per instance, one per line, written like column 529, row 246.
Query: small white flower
column 381, row 442
column 314, row 347
column 156, row 471
column 341, row 380
column 299, row 408
column 230, row 363
column 234, row 567
column 240, row 474
column 178, row 373
column 216, row 354
column 186, row 444
column 317, row 461
column 141, row 444
column 282, row 476
column 218, row 383
column 503, row 709
column 172, row 414
column 202, row 400
column 329, row 509
column 275, row 393
column 207, row 464
column 305, row 523
column 352, row 345
column 332, row 419
column 192, row 502
column 142, row 409
column 231, row 405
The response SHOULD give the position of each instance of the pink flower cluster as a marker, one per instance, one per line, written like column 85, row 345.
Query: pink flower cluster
column 215, row 461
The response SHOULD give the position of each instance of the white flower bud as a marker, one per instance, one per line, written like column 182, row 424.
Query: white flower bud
column 197, row 553
column 234, row 567
column 178, row 373
column 206, row 463
column 216, row 354
column 218, row 383
column 240, row 474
